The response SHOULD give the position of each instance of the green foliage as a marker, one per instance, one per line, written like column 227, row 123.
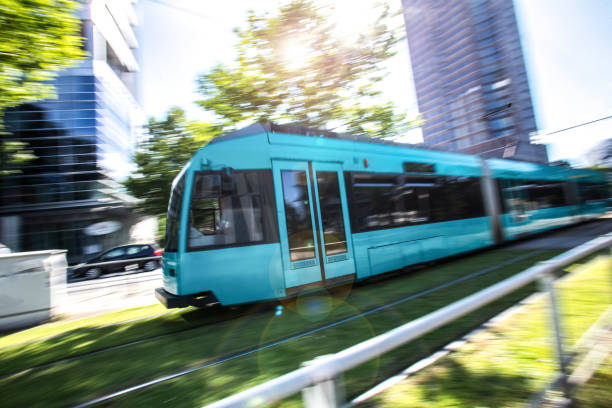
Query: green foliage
column 12, row 155
column 159, row 158
column 296, row 68
column 161, row 230
column 37, row 38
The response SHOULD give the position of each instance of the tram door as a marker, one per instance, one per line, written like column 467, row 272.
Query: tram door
column 314, row 224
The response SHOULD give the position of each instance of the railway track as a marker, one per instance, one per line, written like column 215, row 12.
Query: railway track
column 242, row 353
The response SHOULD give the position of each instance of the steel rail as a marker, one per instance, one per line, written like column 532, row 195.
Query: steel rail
column 223, row 359
column 326, row 368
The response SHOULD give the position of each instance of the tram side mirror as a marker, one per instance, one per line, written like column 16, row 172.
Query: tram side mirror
column 227, row 180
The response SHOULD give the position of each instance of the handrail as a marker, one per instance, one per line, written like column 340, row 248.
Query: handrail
column 128, row 260
column 326, row 368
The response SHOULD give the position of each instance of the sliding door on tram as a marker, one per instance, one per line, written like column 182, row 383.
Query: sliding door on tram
column 313, row 222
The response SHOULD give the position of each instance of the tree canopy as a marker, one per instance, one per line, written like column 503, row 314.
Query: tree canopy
column 160, row 157
column 12, row 155
column 295, row 68
column 37, row 38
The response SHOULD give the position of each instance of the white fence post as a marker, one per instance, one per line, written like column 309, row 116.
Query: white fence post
column 325, row 394
column 547, row 282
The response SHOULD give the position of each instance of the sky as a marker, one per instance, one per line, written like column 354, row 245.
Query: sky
column 566, row 44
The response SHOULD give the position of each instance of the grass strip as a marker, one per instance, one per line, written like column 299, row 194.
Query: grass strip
column 57, row 328
column 507, row 364
column 50, row 343
column 213, row 383
column 86, row 378
column 597, row 392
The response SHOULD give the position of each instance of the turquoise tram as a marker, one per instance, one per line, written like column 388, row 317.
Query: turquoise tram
column 270, row 211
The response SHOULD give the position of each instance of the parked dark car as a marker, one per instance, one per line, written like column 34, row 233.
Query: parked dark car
column 122, row 258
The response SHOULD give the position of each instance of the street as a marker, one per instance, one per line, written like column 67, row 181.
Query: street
column 111, row 292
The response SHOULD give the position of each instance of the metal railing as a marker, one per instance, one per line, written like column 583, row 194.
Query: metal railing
column 317, row 378
column 125, row 261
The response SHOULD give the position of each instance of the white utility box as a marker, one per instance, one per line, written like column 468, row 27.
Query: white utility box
column 32, row 287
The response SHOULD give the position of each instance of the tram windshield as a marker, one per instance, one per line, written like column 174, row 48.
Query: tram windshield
column 173, row 219
column 223, row 213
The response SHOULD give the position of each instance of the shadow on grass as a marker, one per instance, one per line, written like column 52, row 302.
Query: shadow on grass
column 470, row 388
column 451, row 384
column 88, row 340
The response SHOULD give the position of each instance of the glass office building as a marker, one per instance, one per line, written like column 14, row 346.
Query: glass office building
column 470, row 77
column 68, row 197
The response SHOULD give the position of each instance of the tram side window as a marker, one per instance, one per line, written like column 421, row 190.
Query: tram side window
column 222, row 216
column 513, row 196
column 463, row 198
column 416, row 195
column 520, row 196
column 546, row 194
column 173, row 218
column 592, row 191
column 377, row 201
column 383, row 201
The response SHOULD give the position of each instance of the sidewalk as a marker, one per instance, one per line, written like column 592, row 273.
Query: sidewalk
column 91, row 298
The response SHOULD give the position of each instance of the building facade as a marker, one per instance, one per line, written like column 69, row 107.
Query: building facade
column 601, row 154
column 69, row 197
column 470, row 77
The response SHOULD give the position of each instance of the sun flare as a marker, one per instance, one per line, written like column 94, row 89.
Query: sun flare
column 295, row 54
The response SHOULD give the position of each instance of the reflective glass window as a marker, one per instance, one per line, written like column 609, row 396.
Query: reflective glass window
column 173, row 218
column 132, row 250
column 376, row 201
column 592, row 191
column 331, row 212
column 297, row 214
column 462, row 197
column 520, row 196
column 416, row 206
column 547, row 194
column 226, row 209
column 114, row 253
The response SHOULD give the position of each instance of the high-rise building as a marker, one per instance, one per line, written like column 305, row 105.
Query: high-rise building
column 470, row 77
column 601, row 154
column 69, row 197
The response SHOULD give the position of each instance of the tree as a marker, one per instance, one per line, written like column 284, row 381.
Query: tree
column 12, row 155
column 37, row 38
column 295, row 68
column 160, row 157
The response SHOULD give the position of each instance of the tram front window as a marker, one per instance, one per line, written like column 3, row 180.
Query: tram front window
column 173, row 219
column 221, row 216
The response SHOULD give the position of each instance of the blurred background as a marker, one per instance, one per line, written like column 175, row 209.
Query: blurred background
column 103, row 101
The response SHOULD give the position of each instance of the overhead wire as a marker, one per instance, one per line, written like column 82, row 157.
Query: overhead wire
column 578, row 125
column 212, row 19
